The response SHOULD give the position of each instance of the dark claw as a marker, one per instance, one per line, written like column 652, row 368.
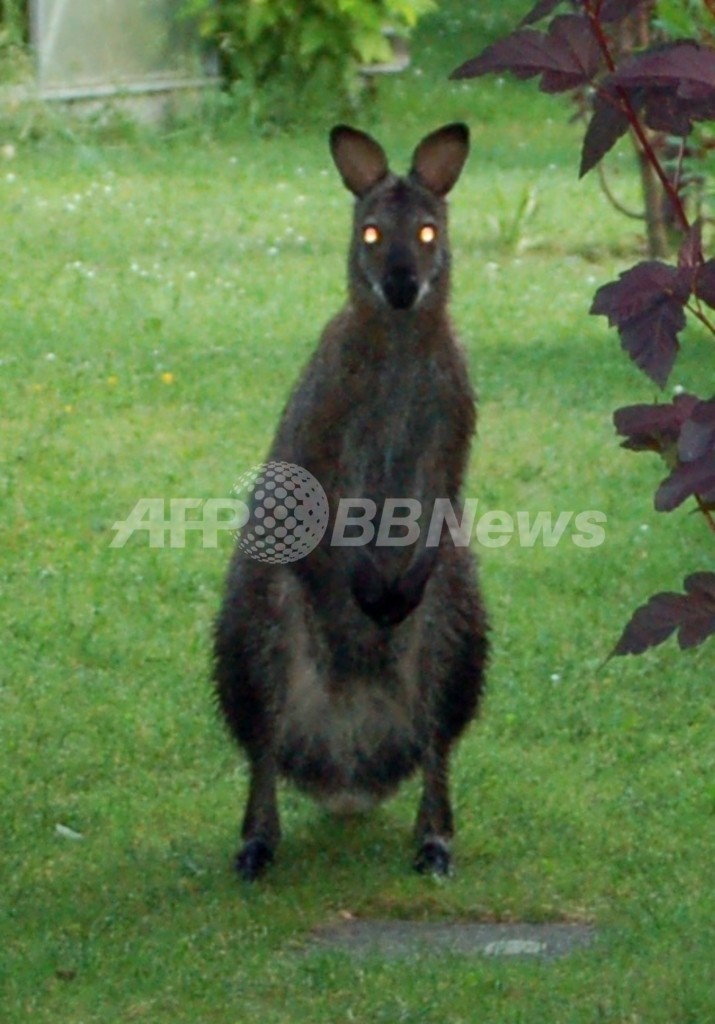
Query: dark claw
column 253, row 859
column 433, row 859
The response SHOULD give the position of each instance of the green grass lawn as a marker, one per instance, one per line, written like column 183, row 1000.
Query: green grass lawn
column 157, row 298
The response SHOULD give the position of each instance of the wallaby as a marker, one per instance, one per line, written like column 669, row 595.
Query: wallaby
column 347, row 670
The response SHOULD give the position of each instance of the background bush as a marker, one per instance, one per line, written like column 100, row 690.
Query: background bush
column 14, row 21
column 290, row 56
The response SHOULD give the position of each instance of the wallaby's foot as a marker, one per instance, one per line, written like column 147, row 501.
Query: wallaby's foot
column 261, row 829
column 253, row 859
column 435, row 825
column 434, row 858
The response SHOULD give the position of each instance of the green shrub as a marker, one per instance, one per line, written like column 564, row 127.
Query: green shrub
column 14, row 22
column 288, row 55
column 681, row 18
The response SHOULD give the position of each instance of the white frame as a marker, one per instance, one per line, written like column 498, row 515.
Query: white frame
column 43, row 34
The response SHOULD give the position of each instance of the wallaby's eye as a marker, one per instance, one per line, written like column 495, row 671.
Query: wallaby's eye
column 370, row 234
column 427, row 234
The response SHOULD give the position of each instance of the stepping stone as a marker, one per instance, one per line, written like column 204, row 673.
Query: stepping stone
column 394, row 939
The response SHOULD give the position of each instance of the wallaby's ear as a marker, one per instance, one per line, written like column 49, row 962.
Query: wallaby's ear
column 361, row 161
column 438, row 160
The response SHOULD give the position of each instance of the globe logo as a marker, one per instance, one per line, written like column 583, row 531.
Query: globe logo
column 287, row 512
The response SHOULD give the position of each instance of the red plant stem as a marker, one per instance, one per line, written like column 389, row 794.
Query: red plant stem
column 679, row 169
column 593, row 14
column 698, row 313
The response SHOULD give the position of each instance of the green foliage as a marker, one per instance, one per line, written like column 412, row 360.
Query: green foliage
column 677, row 19
column 286, row 55
column 14, row 33
column 14, row 21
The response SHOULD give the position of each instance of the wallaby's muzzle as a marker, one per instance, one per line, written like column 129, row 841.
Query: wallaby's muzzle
column 400, row 283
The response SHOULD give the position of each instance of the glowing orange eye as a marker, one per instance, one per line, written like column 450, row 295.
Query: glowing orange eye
column 370, row 235
column 427, row 234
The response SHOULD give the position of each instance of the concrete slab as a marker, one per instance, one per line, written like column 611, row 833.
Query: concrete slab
column 396, row 939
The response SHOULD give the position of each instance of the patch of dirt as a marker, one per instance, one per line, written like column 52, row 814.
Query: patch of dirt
column 395, row 939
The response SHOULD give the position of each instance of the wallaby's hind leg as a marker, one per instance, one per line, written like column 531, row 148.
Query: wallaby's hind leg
column 246, row 672
column 463, row 656
column 261, row 829
column 434, row 826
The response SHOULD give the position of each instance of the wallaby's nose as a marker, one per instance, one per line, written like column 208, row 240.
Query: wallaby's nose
column 400, row 283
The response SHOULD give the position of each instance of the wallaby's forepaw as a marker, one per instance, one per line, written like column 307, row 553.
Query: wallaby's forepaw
column 253, row 859
column 388, row 604
column 434, row 858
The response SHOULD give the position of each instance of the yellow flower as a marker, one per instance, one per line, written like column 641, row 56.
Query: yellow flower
column 112, row 380
column 168, row 378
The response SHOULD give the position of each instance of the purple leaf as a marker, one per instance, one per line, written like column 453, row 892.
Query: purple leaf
column 646, row 305
column 704, row 283
column 697, row 438
column 686, row 67
column 700, row 623
column 617, row 10
column 686, row 480
column 651, row 624
column 566, row 56
column 692, row 614
column 694, row 472
column 605, row 128
column 654, row 427
column 683, row 432
column 637, row 290
column 674, row 114
column 651, row 340
column 673, row 84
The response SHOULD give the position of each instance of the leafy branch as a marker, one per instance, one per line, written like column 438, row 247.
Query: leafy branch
column 665, row 87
